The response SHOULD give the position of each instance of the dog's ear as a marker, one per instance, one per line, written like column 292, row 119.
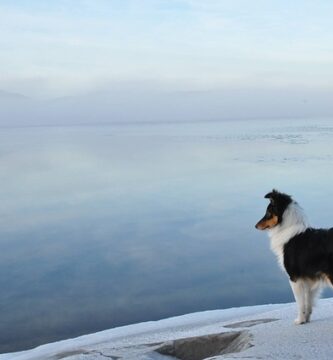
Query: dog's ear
column 272, row 196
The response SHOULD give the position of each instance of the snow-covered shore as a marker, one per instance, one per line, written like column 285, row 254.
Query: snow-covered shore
column 256, row 332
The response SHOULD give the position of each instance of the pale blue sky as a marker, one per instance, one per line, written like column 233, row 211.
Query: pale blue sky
column 55, row 48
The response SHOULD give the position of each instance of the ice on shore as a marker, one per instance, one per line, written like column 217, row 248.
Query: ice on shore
column 256, row 332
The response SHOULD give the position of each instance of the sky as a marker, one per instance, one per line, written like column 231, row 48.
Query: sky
column 66, row 47
column 101, row 61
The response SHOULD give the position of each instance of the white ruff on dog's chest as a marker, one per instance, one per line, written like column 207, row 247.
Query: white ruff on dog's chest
column 293, row 222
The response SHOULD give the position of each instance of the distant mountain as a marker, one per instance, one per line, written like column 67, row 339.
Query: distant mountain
column 10, row 95
column 129, row 105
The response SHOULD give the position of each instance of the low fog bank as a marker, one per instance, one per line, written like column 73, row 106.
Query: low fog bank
column 142, row 105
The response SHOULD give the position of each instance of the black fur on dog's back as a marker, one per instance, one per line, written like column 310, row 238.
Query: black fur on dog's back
column 310, row 255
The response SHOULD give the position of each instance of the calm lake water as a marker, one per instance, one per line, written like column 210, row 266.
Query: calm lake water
column 111, row 225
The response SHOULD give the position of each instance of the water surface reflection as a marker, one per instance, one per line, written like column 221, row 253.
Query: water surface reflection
column 104, row 226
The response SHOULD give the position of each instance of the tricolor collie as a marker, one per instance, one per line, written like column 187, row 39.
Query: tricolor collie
column 306, row 254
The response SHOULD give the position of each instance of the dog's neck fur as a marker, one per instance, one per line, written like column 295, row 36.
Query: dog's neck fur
column 293, row 222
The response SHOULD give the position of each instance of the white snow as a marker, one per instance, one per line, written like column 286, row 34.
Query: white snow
column 278, row 339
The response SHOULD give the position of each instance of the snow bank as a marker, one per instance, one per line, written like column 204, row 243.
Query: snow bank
column 265, row 331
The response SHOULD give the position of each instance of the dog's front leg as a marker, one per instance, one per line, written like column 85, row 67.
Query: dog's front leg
column 301, row 295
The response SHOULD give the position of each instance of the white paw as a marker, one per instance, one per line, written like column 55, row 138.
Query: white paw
column 299, row 321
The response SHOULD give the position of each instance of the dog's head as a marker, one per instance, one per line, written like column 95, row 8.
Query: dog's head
column 275, row 209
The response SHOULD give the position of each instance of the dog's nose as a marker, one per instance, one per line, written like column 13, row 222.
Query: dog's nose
column 257, row 225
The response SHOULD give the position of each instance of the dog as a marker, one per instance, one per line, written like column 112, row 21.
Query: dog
column 305, row 253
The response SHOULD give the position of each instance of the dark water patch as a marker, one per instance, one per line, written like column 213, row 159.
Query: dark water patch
column 202, row 347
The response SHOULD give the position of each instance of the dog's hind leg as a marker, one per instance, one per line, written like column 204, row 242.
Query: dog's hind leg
column 311, row 291
column 308, row 299
column 302, row 295
column 316, row 287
